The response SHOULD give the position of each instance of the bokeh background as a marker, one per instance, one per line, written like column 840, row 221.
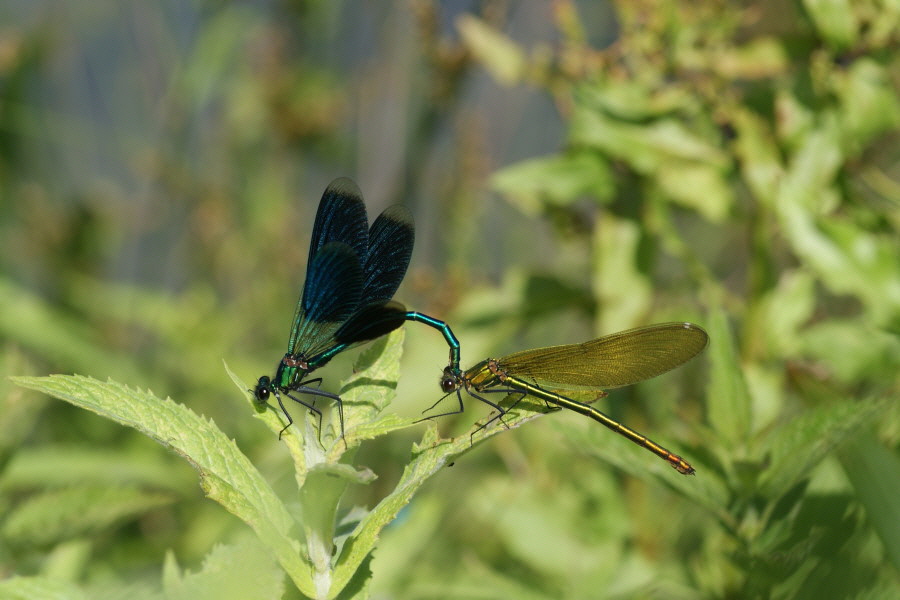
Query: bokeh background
column 575, row 168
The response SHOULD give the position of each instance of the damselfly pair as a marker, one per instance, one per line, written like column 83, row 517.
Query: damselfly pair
column 352, row 273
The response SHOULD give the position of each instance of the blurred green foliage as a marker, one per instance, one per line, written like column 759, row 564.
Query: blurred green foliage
column 729, row 164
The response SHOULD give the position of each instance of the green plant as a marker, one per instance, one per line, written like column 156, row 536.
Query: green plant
column 731, row 164
column 325, row 553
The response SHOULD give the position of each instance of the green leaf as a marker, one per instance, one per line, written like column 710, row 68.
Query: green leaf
column 835, row 21
column 646, row 147
column 38, row 326
column 68, row 560
column 52, row 516
column 323, row 473
column 807, row 439
column 874, row 472
column 869, row 104
column 619, row 287
column 497, row 52
column 785, row 309
column 848, row 259
column 758, row 153
column 226, row 475
column 555, row 180
column 728, row 399
column 697, row 186
column 811, row 169
column 238, row 571
column 58, row 465
column 29, row 588
column 429, row 456
column 852, row 349
column 372, row 387
column 868, row 267
column 366, row 394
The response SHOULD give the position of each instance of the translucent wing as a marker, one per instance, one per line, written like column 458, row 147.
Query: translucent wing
column 331, row 294
column 368, row 323
column 611, row 361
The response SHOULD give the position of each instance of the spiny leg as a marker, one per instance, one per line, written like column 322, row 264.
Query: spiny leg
column 290, row 419
column 304, row 389
column 446, row 414
column 501, row 412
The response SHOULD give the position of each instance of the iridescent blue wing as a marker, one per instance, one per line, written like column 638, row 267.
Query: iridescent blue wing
column 368, row 323
column 331, row 295
column 341, row 218
column 371, row 321
column 391, row 240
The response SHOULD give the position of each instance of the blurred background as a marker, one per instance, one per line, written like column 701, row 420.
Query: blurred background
column 575, row 169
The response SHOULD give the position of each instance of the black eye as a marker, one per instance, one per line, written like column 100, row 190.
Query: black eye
column 262, row 389
column 449, row 383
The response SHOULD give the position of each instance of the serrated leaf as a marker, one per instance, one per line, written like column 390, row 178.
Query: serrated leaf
column 322, row 466
column 226, row 475
column 365, row 395
column 429, row 456
column 372, row 387
column 382, row 425
column 238, row 571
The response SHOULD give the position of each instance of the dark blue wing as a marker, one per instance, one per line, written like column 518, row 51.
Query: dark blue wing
column 368, row 323
column 341, row 218
column 391, row 240
column 371, row 321
column 331, row 294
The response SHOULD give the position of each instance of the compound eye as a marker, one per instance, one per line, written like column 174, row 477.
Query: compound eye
column 448, row 383
column 262, row 389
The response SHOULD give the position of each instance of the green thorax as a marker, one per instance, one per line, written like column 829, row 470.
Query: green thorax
column 291, row 370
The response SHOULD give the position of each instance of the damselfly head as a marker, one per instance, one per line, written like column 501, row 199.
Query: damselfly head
column 262, row 390
column 450, row 381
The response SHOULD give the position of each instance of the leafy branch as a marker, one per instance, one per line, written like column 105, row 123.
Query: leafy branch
column 302, row 540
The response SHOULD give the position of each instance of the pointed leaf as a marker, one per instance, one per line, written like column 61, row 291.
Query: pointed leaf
column 429, row 456
column 226, row 475
column 805, row 441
